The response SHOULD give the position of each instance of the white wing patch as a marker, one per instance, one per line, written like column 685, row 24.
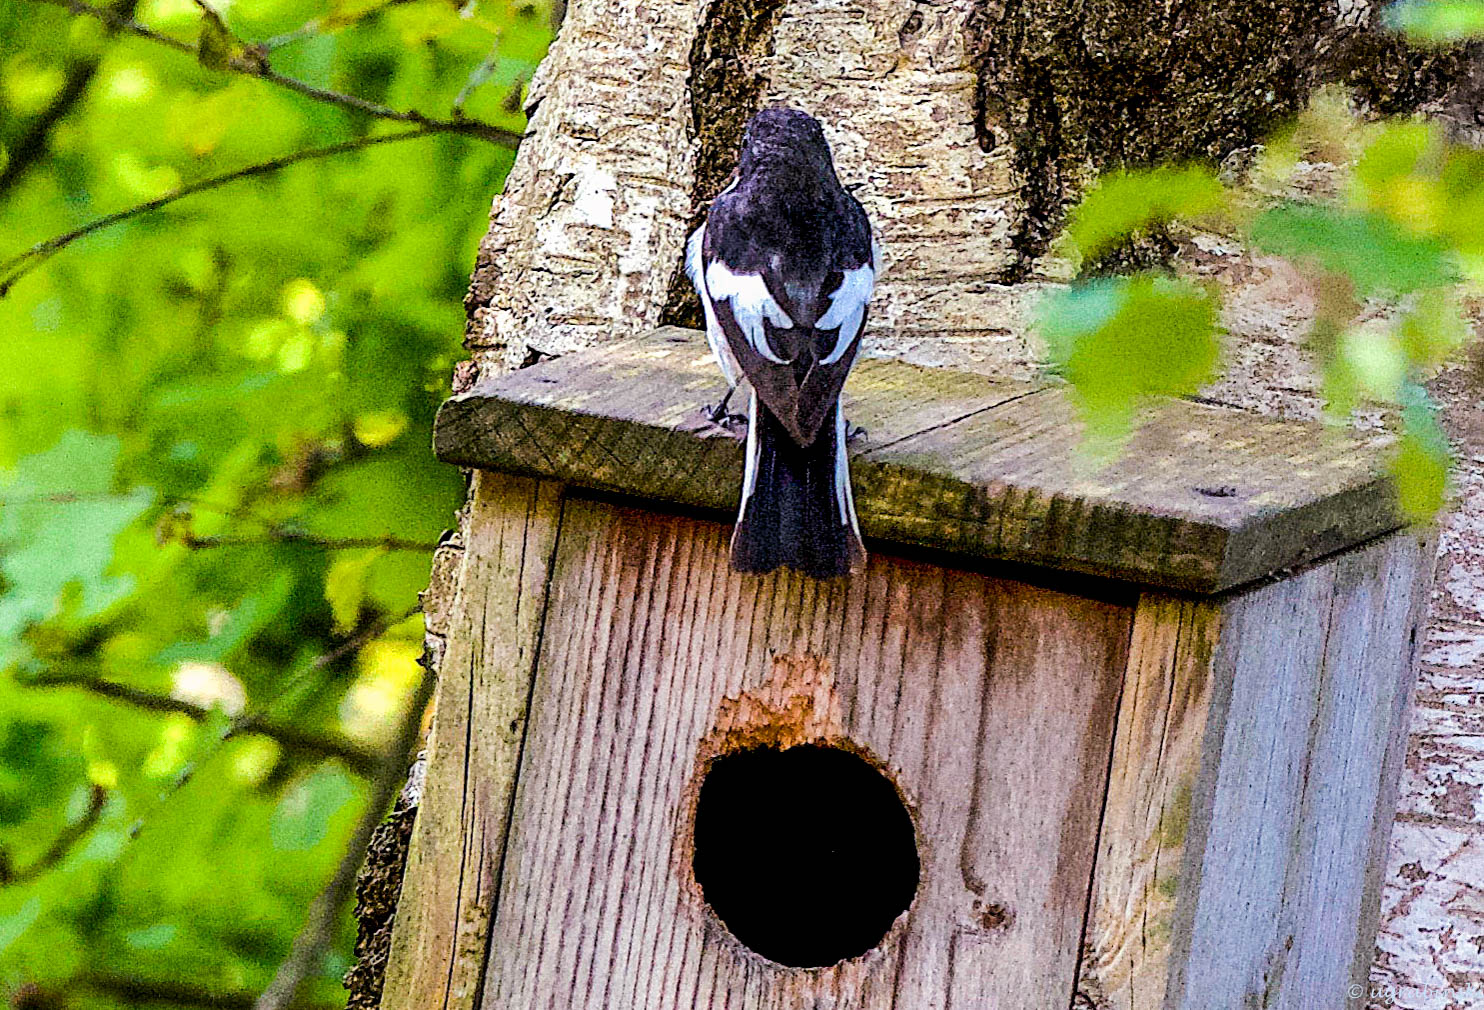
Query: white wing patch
column 847, row 310
column 751, row 304
column 718, row 341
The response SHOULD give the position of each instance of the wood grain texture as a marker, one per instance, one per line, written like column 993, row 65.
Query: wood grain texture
column 656, row 655
column 1311, row 682
column 1162, row 723
column 454, row 863
column 1205, row 499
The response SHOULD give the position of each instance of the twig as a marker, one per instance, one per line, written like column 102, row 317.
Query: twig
column 310, row 945
column 248, row 722
column 63, row 844
column 28, row 148
column 318, row 25
column 481, row 73
column 134, row 990
column 21, row 264
column 122, row 24
column 253, row 61
column 354, row 642
column 355, row 757
column 283, row 536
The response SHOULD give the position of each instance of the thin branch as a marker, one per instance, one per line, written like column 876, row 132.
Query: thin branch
column 248, row 722
column 315, row 27
column 481, row 73
column 282, row 536
column 122, row 24
column 16, row 267
column 253, row 61
column 356, row 758
column 69, row 837
column 136, row 991
column 314, row 938
column 29, row 148
column 371, row 631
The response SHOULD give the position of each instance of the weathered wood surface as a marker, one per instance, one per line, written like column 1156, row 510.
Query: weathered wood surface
column 1252, row 789
column 1161, row 735
column 454, row 864
column 656, row 655
column 1311, row 682
column 1204, row 499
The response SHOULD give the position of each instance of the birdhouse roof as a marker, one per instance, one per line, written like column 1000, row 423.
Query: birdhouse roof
column 1203, row 499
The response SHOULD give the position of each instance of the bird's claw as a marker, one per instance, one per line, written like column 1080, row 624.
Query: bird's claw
column 854, row 432
column 718, row 415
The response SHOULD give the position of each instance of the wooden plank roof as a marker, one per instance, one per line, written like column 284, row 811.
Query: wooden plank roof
column 1203, row 499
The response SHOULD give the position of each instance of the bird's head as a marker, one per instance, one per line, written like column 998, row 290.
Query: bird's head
column 783, row 139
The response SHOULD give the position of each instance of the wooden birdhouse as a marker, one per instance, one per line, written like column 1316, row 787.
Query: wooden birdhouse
column 1120, row 737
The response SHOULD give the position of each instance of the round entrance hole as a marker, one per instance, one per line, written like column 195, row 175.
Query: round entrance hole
column 807, row 854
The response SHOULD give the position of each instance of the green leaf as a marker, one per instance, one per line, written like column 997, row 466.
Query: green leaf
column 302, row 818
column 1123, row 341
column 1433, row 330
column 1421, row 479
column 1437, row 21
column 1423, row 458
column 1376, row 361
column 58, row 524
column 1367, row 248
column 1122, row 203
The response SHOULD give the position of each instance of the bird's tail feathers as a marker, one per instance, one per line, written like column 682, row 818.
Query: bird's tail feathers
column 797, row 508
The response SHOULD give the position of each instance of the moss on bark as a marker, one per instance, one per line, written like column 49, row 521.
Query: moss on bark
column 1080, row 86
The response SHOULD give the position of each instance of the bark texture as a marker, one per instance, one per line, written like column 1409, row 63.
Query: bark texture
column 964, row 126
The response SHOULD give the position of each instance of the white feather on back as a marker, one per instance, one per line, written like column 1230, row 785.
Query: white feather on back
column 847, row 310
column 752, row 303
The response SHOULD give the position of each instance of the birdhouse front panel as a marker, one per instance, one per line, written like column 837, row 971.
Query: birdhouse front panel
column 984, row 707
column 1127, row 736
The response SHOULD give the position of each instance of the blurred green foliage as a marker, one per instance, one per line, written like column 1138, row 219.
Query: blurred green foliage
column 213, row 416
column 1390, row 261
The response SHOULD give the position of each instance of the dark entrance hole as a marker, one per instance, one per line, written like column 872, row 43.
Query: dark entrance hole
column 806, row 854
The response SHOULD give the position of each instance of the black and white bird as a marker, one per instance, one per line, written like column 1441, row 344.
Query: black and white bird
column 784, row 265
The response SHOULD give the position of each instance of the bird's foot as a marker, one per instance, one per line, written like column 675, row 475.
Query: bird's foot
column 854, row 432
column 718, row 415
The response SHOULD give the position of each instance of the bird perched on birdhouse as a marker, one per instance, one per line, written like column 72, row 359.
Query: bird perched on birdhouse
column 784, row 265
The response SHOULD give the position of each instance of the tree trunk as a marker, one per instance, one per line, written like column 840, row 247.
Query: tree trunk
column 965, row 127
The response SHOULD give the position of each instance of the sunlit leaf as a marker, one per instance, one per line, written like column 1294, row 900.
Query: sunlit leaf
column 169, row 754
column 377, row 428
column 102, row 771
column 1122, row 203
column 1433, row 330
column 1123, row 341
column 1421, row 479
column 1377, row 361
column 345, row 585
column 1423, row 457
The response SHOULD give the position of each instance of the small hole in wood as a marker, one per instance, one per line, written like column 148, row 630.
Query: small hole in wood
column 808, row 855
